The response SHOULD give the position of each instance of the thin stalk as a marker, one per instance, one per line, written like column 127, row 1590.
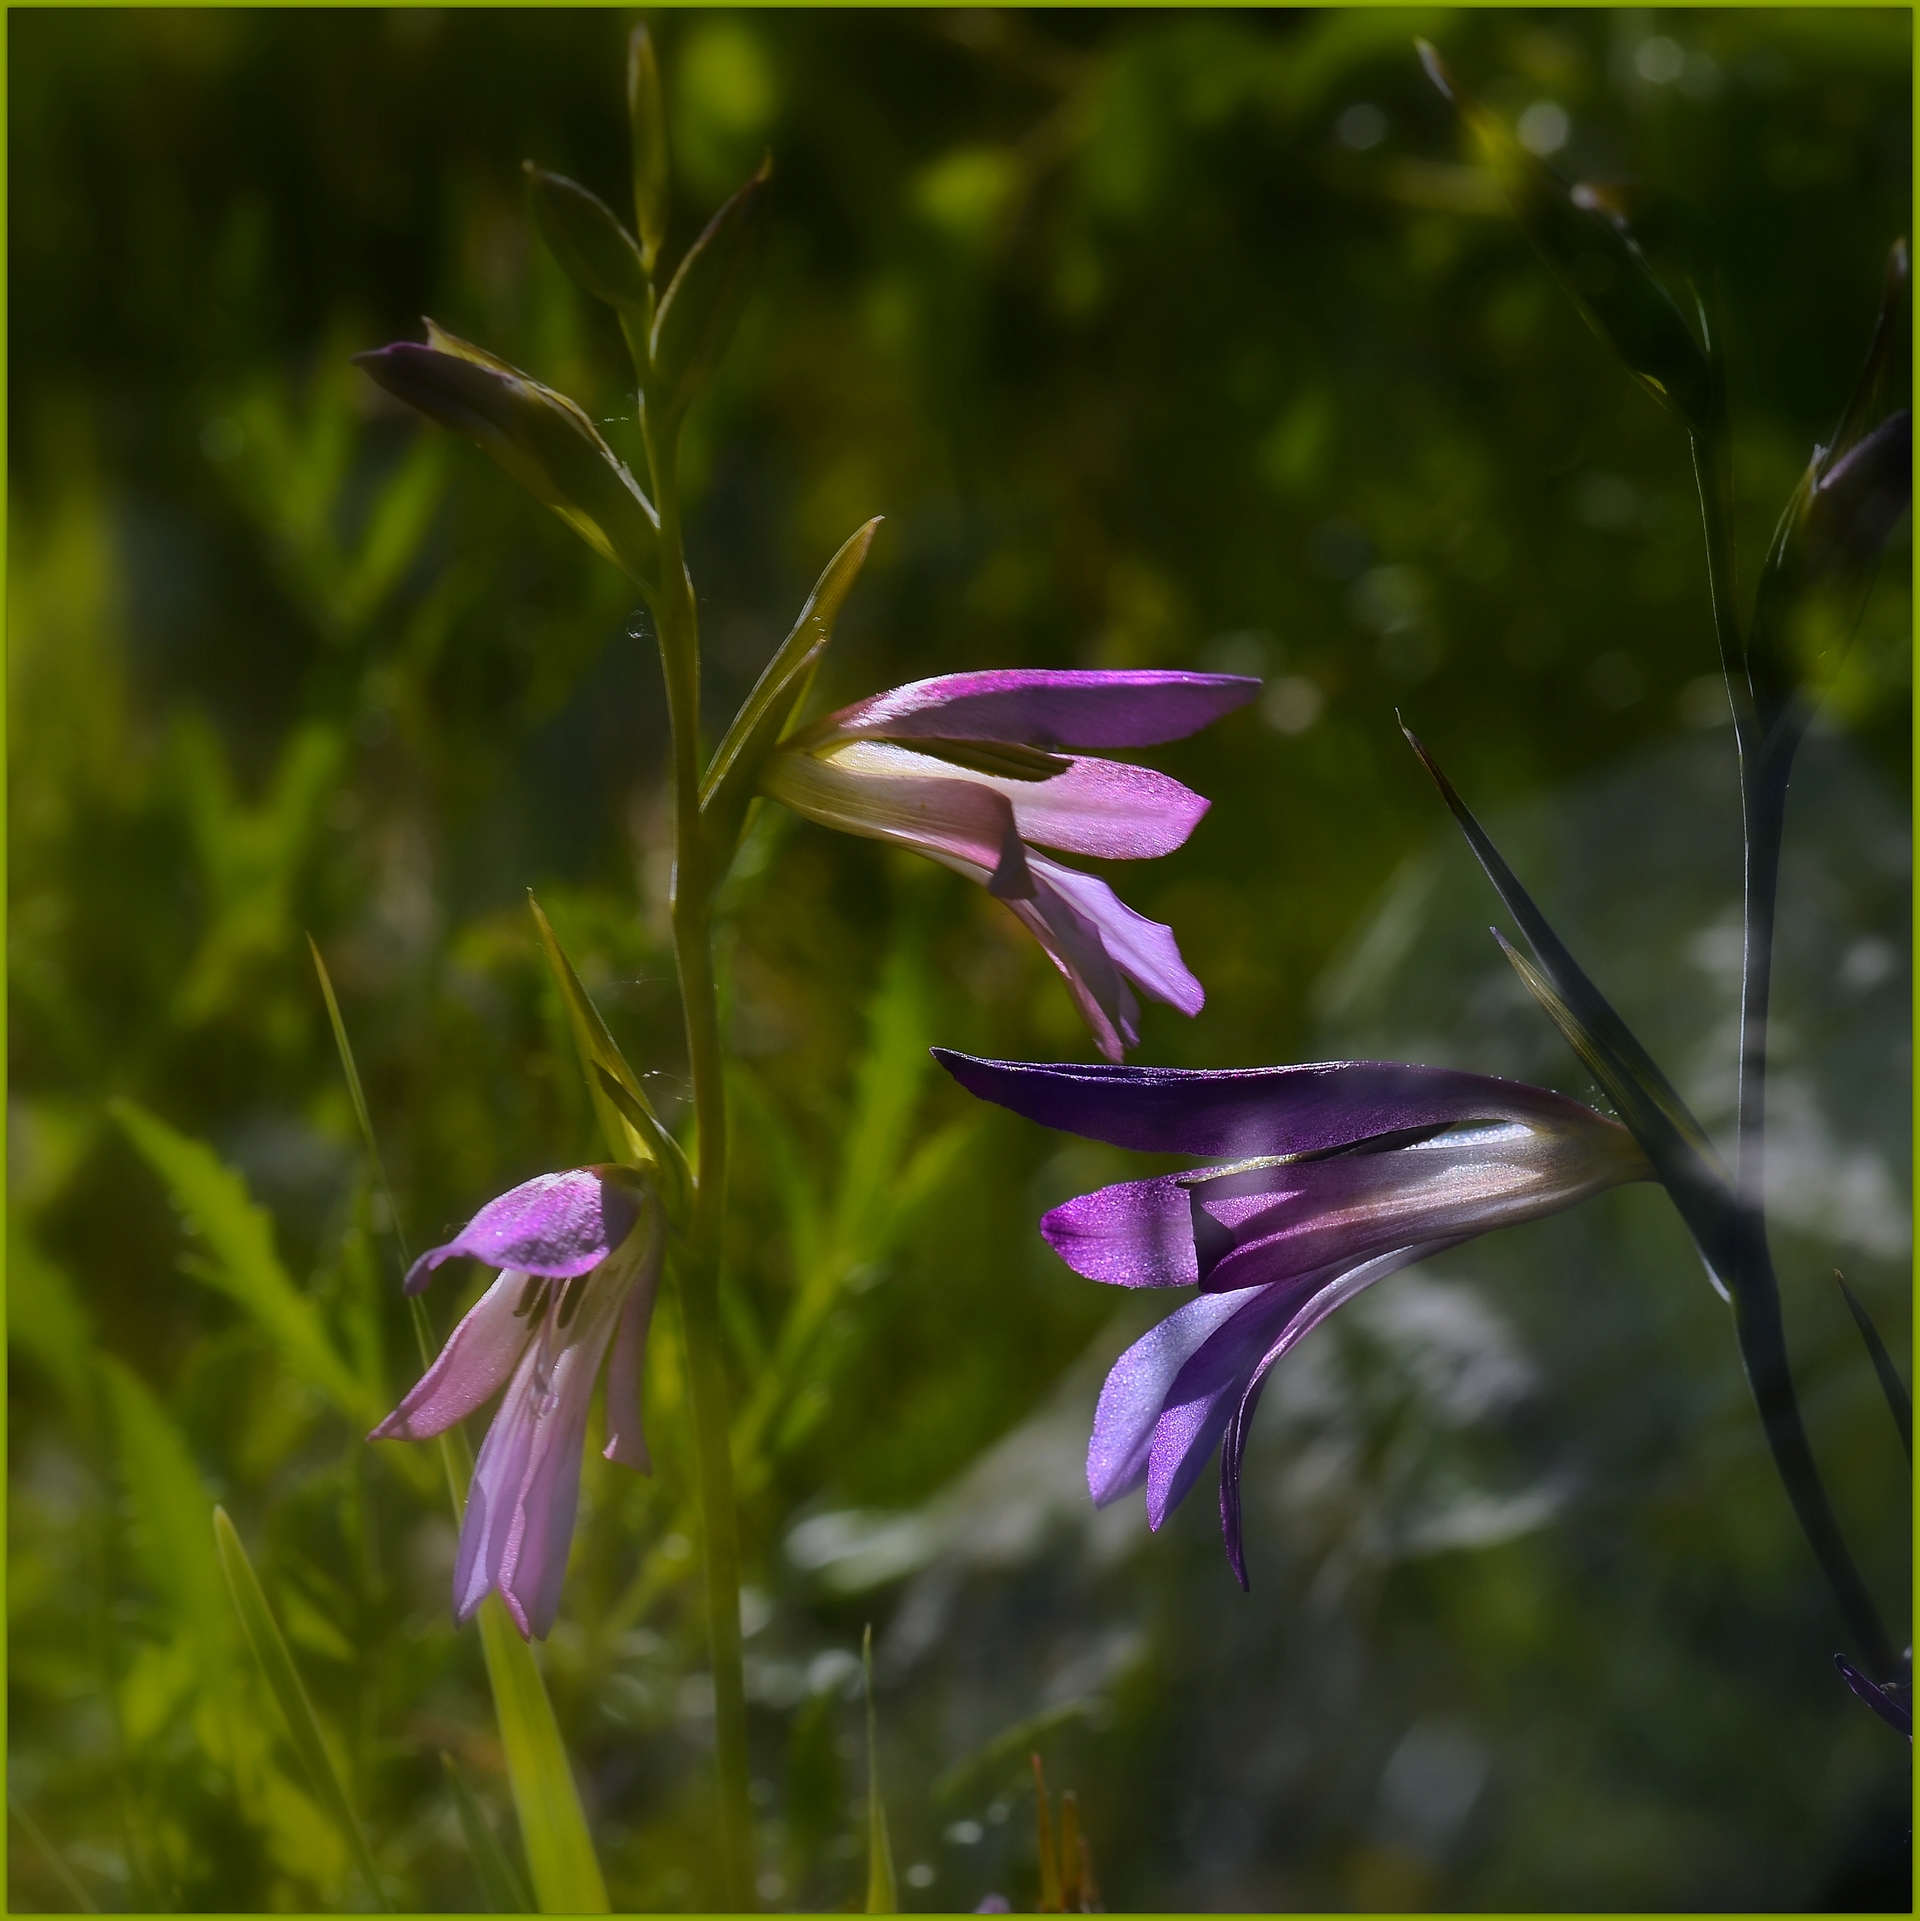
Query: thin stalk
column 1758, row 1325
column 698, row 1269
column 1756, row 1292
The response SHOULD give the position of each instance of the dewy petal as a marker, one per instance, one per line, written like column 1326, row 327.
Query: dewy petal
column 1135, row 1234
column 557, row 1225
column 1241, row 1113
column 477, row 1359
column 886, row 793
column 1105, row 809
column 1048, row 707
column 1136, row 1390
column 1233, row 1439
column 626, row 1439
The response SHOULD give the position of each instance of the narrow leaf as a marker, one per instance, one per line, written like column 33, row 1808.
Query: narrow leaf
column 632, row 1129
column 283, row 1679
column 1612, row 1039
column 883, row 1894
column 245, row 1266
column 647, row 116
column 727, row 788
column 1050, row 1902
column 500, row 1887
column 1899, row 1403
column 553, row 1825
column 543, row 439
column 1584, row 239
column 702, row 306
column 1072, row 1851
column 357, row 1094
column 587, row 239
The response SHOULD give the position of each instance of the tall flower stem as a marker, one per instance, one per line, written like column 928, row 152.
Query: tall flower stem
column 698, row 1268
column 1758, row 1325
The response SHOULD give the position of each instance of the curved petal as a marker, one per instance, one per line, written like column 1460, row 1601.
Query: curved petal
column 1048, row 707
column 1144, row 950
column 1074, row 943
column 1136, row 1390
column 558, row 1225
column 1233, row 1439
column 1239, row 1113
column 1135, row 1234
column 626, row 1439
column 1105, row 809
column 885, row 793
column 473, row 1366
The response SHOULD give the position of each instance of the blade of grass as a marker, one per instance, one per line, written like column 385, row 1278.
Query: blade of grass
column 883, row 1894
column 560, row 1856
column 500, row 1887
column 357, row 1094
column 283, row 1679
column 1899, row 1403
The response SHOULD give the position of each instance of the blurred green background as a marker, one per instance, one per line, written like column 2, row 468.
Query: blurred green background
column 1160, row 339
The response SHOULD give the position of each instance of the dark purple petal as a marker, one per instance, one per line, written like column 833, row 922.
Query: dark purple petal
column 1138, row 1234
column 1242, row 1113
column 1895, row 1713
column 1050, row 707
column 1136, row 1391
column 1858, row 501
column 1233, row 1439
column 473, row 1366
column 557, row 1225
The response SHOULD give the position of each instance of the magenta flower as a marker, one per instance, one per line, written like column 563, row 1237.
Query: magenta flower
column 579, row 1255
column 975, row 770
column 1336, row 1176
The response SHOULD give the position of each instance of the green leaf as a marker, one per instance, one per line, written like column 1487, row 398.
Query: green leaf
column 727, row 788
column 883, row 1894
column 244, row 1266
column 632, row 1129
column 283, row 1678
column 500, row 1887
column 1586, row 241
column 54, row 1859
column 543, row 439
column 553, row 1825
column 647, row 116
column 46, row 1317
column 1899, row 1402
column 588, row 240
column 355, row 1092
column 702, row 307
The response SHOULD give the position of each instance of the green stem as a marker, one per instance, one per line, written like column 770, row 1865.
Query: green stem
column 698, row 1268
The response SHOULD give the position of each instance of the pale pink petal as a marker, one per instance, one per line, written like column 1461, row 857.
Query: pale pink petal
column 626, row 1439
column 470, row 1369
column 1144, row 950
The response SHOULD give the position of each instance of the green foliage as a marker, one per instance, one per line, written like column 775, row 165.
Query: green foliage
column 1153, row 350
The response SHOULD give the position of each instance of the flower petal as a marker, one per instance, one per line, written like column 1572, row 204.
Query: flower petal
column 1240, row 1113
column 1072, row 941
column 626, row 1438
column 1144, row 950
column 1136, row 1390
column 1135, row 1234
column 884, row 793
column 1048, row 707
column 1102, row 808
column 558, row 1225
column 479, row 1355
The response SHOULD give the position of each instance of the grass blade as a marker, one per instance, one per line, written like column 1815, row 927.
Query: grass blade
column 356, row 1093
column 283, row 1678
column 553, row 1825
column 883, row 1894
column 245, row 1266
column 500, row 1887
column 1899, row 1403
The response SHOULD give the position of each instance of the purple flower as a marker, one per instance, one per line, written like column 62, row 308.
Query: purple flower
column 579, row 1255
column 970, row 770
column 1336, row 1175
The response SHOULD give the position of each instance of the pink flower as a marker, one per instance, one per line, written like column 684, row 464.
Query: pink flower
column 579, row 1255
column 975, row 770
